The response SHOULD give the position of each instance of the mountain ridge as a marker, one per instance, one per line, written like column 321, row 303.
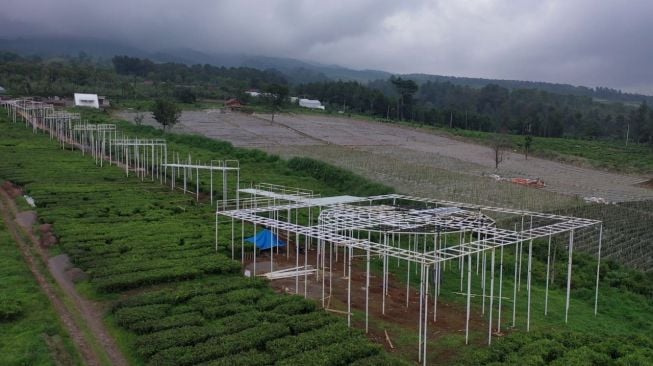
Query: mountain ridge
column 296, row 71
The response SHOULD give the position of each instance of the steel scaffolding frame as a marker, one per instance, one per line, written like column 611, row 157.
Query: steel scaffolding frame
column 103, row 142
column 378, row 225
column 145, row 156
column 358, row 226
column 59, row 124
column 224, row 166
column 95, row 139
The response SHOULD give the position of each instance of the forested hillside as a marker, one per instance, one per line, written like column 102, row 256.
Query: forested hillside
column 491, row 108
column 126, row 77
column 295, row 71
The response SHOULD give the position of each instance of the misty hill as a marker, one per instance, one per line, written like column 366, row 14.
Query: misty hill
column 296, row 71
column 56, row 47
column 599, row 93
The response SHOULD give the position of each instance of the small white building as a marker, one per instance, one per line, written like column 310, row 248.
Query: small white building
column 2, row 90
column 87, row 100
column 310, row 103
column 253, row 93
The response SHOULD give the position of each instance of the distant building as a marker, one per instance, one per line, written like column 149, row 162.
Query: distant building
column 87, row 100
column 56, row 101
column 233, row 104
column 3, row 90
column 311, row 103
column 256, row 94
column 253, row 93
column 103, row 101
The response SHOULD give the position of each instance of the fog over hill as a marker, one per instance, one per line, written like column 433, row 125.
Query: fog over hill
column 578, row 42
column 296, row 71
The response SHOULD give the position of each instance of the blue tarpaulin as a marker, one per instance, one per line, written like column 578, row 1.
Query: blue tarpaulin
column 265, row 239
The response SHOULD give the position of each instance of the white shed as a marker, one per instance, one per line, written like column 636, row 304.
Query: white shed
column 310, row 103
column 86, row 100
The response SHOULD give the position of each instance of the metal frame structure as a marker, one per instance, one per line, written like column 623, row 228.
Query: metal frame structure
column 224, row 166
column 411, row 229
column 95, row 139
column 143, row 156
column 59, row 124
column 30, row 111
column 391, row 227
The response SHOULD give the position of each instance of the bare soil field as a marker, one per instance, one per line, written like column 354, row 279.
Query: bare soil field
column 414, row 160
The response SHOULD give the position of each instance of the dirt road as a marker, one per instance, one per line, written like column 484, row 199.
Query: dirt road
column 84, row 321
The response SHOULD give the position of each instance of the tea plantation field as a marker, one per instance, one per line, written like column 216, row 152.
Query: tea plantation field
column 173, row 300
column 149, row 253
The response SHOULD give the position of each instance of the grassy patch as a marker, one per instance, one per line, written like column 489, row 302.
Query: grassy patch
column 30, row 333
column 603, row 154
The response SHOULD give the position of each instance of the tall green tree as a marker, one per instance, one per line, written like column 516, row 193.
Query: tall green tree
column 406, row 89
column 166, row 112
column 185, row 95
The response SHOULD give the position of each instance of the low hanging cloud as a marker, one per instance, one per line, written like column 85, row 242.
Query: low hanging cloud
column 593, row 43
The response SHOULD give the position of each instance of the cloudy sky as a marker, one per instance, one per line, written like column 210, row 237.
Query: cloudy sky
column 583, row 42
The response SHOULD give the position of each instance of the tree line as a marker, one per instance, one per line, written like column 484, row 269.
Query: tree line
column 598, row 92
column 128, row 78
column 491, row 108
column 432, row 102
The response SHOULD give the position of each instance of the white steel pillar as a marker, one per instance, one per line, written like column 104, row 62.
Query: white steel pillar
column 569, row 263
column 489, row 330
column 367, row 292
column 598, row 269
column 469, row 296
column 426, row 312
column 514, row 291
column 500, row 290
column 528, row 285
column 548, row 276
column 349, row 288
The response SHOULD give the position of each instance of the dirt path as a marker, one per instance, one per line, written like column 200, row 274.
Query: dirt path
column 90, row 312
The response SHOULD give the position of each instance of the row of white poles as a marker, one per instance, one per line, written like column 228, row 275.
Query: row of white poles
column 143, row 156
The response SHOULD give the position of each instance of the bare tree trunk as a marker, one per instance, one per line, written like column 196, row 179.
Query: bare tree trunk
column 496, row 159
